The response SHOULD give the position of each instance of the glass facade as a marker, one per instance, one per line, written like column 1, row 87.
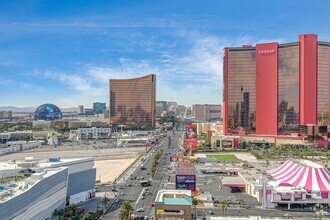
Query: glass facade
column 288, row 89
column 133, row 101
column 323, row 93
column 241, row 90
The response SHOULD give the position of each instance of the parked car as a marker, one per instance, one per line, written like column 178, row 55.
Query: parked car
column 140, row 210
column 152, row 204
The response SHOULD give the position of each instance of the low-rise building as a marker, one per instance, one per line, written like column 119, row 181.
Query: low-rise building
column 34, row 197
column 90, row 133
column 173, row 204
column 16, row 146
column 294, row 182
column 15, row 136
column 81, row 176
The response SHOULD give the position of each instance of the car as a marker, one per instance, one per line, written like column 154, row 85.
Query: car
column 122, row 193
column 141, row 178
column 114, row 190
column 117, row 200
column 129, row 185
column 146, row 218
column 143, row 197
column 140, row 210
column 121, row 187
column 148, row 173
column 152, row 204
column 211, row 212
column 146, row 189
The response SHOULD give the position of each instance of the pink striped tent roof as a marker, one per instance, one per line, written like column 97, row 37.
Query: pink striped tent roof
column 316, row 179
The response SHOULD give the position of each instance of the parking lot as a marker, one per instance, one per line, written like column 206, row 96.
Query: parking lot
column 240, row 204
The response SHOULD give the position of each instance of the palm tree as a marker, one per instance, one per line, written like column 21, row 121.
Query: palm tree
column 3, row 181
column 195, row 203
column 91, row 216
column 56, row 213
column 224, row 206
column 126, row 210
column 73, row 208
column 60, row 213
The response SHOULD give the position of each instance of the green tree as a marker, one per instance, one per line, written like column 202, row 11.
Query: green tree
column 224, row 206
column 74, row 208
column 195, row 202
column 126, row 211
column 56, row 214
column 61, row 213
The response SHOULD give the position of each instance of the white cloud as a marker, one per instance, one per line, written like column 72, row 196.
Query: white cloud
column 29, row 86
column 76, row 82
column 194, row 77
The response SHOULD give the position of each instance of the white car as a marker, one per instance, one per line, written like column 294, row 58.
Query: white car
column 140, row 210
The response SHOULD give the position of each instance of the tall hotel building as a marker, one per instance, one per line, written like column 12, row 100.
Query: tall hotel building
column 133, row 101
column 277, row 89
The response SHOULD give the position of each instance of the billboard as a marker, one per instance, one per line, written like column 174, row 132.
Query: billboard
column 186, row 182
column 191, row 138
column 191, row 131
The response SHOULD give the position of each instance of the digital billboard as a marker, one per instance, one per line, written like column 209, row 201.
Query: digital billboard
column 187, row 182
column 191, row 138
column 191, row 143
column 191, row 131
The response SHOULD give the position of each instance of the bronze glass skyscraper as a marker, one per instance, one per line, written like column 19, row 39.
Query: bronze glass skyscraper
column 133, row 101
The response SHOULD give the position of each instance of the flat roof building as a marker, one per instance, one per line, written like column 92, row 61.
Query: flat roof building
column 173, row 204
column 34, row 197
column 133, row 101
column 273, row 88
column 207, row 112
column 81, row 174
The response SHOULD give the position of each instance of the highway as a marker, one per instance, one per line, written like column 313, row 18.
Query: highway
column 132, row 189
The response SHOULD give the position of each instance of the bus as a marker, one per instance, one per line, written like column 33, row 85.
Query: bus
column 145, row 183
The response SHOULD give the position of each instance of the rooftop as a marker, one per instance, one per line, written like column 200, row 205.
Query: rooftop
column 14, row 188
column 30, row 162
column 174, row 197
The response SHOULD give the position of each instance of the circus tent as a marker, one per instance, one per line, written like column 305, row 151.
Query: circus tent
column 314, row 179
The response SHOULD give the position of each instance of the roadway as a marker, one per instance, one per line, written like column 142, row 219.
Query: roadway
column 132, row 191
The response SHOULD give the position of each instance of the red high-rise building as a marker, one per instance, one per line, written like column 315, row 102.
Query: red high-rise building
column 273, row 88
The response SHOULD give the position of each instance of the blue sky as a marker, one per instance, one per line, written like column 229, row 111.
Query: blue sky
column 64, row 52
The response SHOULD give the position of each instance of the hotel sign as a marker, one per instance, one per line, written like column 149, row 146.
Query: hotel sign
column 266, row 52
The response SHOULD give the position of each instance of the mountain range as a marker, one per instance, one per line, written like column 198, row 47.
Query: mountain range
column 31, row 109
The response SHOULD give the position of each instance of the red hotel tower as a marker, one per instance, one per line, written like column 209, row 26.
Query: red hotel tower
column 273, row 89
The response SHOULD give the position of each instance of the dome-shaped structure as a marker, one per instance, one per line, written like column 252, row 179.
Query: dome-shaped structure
column 47, row 112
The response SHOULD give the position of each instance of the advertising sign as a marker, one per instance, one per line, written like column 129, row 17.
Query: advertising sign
column 191, row 131
column 286, row 197
column 186, row 182
column 191, row 138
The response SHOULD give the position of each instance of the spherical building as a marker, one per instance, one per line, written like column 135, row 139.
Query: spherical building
column 47, row 112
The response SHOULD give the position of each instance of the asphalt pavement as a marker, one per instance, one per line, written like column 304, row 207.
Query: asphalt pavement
column 131, row 190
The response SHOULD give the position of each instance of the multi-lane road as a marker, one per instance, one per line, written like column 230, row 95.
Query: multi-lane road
column 132, row 191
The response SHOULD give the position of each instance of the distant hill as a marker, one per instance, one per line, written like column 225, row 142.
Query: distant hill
column 32, row 109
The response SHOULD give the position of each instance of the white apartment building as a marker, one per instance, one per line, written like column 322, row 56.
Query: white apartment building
column 90, row 133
